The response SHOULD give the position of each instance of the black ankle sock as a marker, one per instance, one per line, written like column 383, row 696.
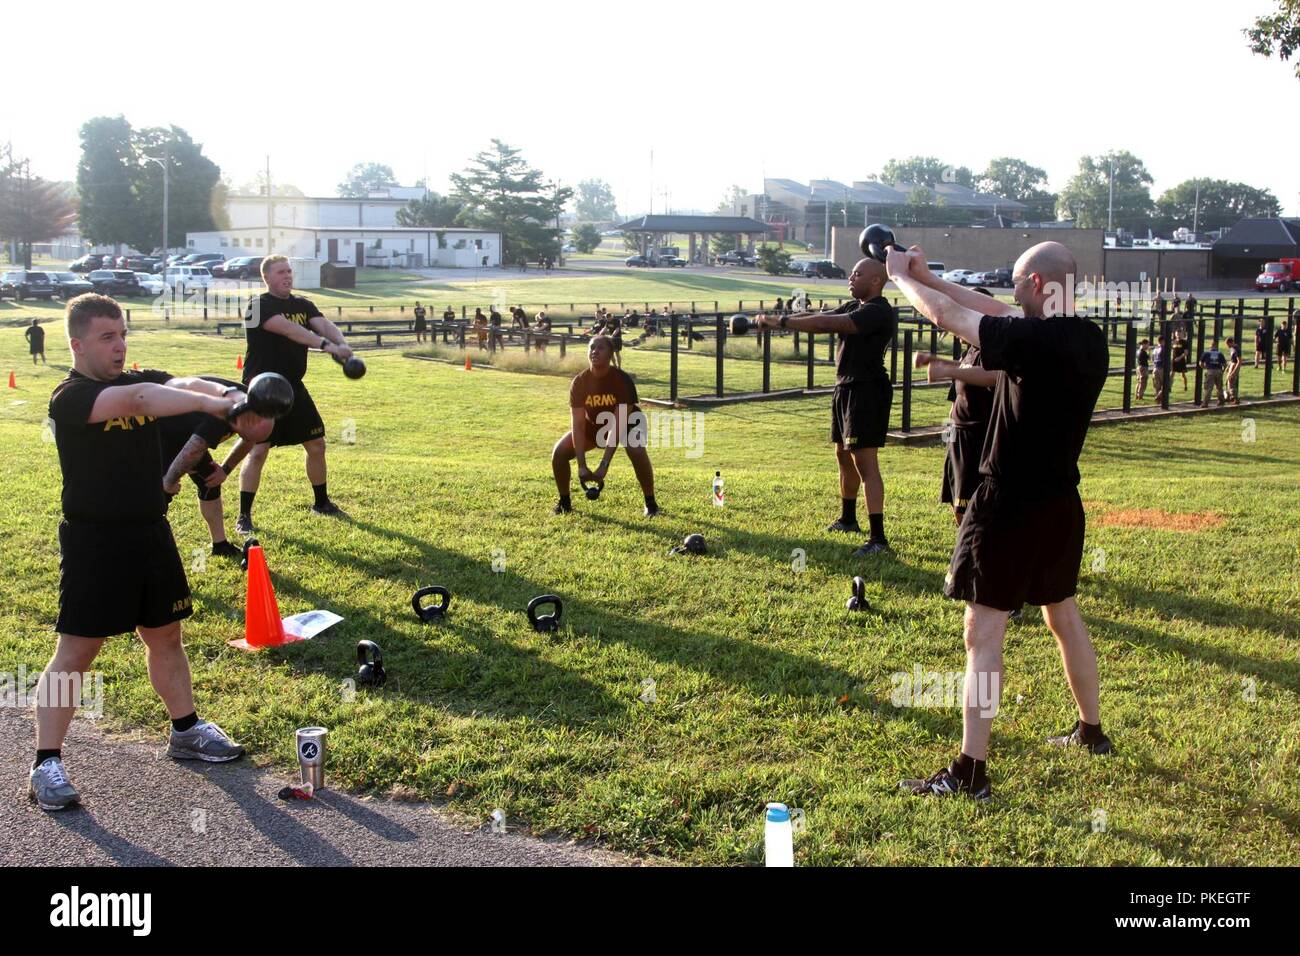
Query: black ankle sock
column 182, row 724
column 877, row 526
column 849, row 510
column 650, row 502
column 44, row 755
column 246, row 502
column 1091, row 733
column 321, row 497
column 971, row 771
column 566, row 500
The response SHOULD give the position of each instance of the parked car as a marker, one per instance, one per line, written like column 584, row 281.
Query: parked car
column 824, row 269
column 202, row 258
column 150, row 284
column 24, row 284
column 86, row 263
column 242, row 267
column 187, row 277
column 956, row 275
column 999, row 279
column 937, row 268
column 798, row 267
column 670, row 261
column 109, row 282
column 735, row 257
column 69, row 284
column 639, row 261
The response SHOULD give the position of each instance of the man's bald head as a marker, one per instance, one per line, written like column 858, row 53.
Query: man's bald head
column 867, row 279
column 1044, row 280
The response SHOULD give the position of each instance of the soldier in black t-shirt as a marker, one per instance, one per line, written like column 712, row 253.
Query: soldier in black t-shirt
column 449, row 314
column 281, row 328
column 35, row 336
column 421, row 324
column 971, row 394
column 603, row 414
column 119, row 568
column 1022, row 538
column 186, row 444
column 865, row 325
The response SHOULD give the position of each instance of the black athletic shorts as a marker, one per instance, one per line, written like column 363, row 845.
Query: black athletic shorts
column 205, row 493
column 961, row 469
column 114, row 578
column 302, row 424
column 860, row 414
column 1012, row 550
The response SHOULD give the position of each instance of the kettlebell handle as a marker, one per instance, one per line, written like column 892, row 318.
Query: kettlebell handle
column 545, row 622
column 368, row 652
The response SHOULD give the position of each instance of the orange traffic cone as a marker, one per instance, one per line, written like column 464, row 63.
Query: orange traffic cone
column 469, row 366
column 135, row 366
column 239, row 361
column 13, row 384
column 262, row 624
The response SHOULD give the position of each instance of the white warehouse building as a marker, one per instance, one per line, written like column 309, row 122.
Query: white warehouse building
column 400, row 247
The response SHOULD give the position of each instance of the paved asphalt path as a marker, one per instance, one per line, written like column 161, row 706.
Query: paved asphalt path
column 141, row 808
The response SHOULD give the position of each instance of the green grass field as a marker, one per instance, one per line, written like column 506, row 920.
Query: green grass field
column 765, row 687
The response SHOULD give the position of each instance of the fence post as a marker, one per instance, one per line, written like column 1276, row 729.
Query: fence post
column 830, row 347
column 1200, row 350
column 564, row 340
column 907, row 380
column 1218, row 319
column 462, row 336
column 767, row 359
column 811, row 359
column 672, row 362
column 934, row 339
column 1268, row 352
column 690, row 331
column 528, row 342
column 1130, row 350
column 796, row 343
column 719, row 343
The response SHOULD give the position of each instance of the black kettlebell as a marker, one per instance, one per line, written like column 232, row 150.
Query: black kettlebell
column 876, row 240
column 371, row 658
column 434, row 611
column 248, row 543
column 859, row 600
column 592, row 489
column 549, row 621
column 691, row 544
column 739, row 324
column 352, row 367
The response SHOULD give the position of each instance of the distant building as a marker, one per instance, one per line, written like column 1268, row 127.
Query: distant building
column 398, row 247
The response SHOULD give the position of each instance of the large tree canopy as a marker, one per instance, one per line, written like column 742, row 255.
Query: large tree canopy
column 501, row 191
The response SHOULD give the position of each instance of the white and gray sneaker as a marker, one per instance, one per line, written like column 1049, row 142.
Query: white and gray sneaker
column 50, row 788
column 204, row 741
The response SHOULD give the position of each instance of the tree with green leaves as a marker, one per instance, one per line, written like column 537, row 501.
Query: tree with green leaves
column 925, row 171
column 365, row 177
column 595, row 202
column 728, row 204
column 1086, row 196
column 192, row 178
column 32, row 209
column 586, row 237
column 501, row 191
column 1278, row 33
column 1213, row 204
column 257, row 187
column 106, row 181
column 1015, row 179
column 773, row 260
column 433, row 210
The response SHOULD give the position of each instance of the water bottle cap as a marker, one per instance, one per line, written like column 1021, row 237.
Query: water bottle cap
column 778, row 813
column 717, row 474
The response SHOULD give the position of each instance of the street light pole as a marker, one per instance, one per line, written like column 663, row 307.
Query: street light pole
column 165, row 162
column 1110, row 205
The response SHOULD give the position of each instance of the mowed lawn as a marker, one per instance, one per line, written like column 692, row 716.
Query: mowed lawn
column 765, row 687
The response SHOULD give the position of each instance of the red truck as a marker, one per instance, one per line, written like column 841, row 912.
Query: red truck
column 1280, row 276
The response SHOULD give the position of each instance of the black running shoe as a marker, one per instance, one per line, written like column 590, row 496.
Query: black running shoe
column 873, row 546
column 1016, row 615
column 224, row 549
column 244, row 524
column 850, row 527
column 1074, row 738
column 561, row 508
column 329, row 508
column 653, row 512
column 946, row 784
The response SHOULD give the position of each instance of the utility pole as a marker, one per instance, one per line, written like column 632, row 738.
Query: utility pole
column 270, row 205
column 1196, row 210
column 1110, row 205
column 826, row 205
column 165, row 163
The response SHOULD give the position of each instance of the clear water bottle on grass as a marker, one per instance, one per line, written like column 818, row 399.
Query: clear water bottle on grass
column 718, row 501
column 778, row 836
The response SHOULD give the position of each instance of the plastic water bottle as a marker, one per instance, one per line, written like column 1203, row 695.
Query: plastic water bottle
column 717, row 490
column 778, row 836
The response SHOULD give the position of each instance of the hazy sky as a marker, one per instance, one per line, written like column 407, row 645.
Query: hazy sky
column 721, row 92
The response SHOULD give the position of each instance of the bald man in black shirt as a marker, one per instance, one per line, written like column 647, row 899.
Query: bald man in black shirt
column 865, row 326
column 1021, row 540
